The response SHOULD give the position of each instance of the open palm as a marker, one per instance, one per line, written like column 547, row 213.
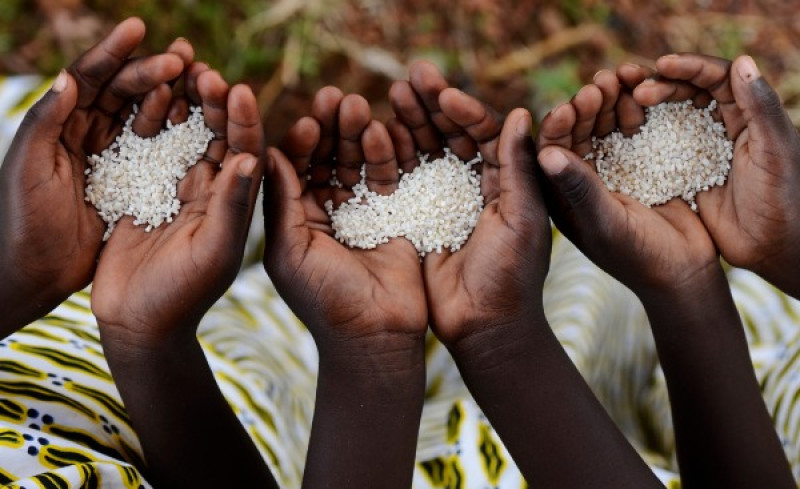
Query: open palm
column 148, row 285
column 645, row 248
column 499, row 272
column 754, row 217
column 42, row 183
column 338, row 292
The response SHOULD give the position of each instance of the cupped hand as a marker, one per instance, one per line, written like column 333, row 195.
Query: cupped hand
column 754, row 218
column 340, row 293
column 651, row 250
column 152, row 288
column 497, row 277
column 49, row 236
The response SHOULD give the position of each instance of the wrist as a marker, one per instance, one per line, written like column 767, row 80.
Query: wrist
column 781, row 269
column 685, row 292
column 379, row 353
column 492, row 345
column 24, row 301
column 122, row 343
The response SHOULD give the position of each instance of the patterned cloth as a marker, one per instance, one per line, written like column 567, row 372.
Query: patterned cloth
column 62, row 423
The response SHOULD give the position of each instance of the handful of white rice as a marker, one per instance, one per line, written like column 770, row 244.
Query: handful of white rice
column 435, row 207
column 678, row 152
column 138, row 176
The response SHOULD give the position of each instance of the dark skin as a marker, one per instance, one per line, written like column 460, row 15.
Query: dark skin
column 755, row 219
column 485, row 301
column 151, row 290
column 42, row 180
column 666, row 255
column 365, row 308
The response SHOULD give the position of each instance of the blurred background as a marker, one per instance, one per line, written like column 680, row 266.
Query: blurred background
column 510, row 53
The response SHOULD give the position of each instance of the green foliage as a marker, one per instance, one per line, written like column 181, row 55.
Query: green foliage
column 553, row 84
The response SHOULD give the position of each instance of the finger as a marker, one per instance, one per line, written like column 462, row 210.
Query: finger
column 585, row 205
column 44, row 122
column 230, row 208
column 556, row 127
column 299, row 144
column 403, row 141
column 245, row 134
column 153, row 112
column 520, row 198
column 653, row 92
column 631, row 75
column 710, row 74
column 630, row 115
column 409, row 110
column 354, row 116
column 325, row 109
column 193, row 72
column 96, row 66
column 428, row 82
column 183, row 49
column 609, row 86
column 587, row 102
column 769, row 127
column 213, row 93
column 136, row 78
column 479, row 124
column 178, row 110
column 381, row 165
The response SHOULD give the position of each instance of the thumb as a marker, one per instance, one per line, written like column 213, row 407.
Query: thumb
column 231, row 205
column 766, row 119
column 45, row 120
column 283, row 211
column 516, row 157
column 582, row 203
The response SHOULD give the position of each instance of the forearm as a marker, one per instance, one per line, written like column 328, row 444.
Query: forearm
column 554, row 427
column 724, row 434
column 182, row 419
column 367, row 414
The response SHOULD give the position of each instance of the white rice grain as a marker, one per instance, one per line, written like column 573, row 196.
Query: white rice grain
column 138, row 176
column 678, row 152
column 436, row 207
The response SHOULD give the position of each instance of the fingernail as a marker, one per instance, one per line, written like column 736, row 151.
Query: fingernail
column 746, row 68
column 182, row 39
column 553, row 161
column 60, row 83
column 596, row 75
column 557, row 108
column 523, row 128
column 670, row 56
column 247, row 166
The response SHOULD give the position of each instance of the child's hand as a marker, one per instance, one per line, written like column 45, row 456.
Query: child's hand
column 651, row 250
column 485, row 300
column 365, row 308
column 50, row 237
column 498, row 275
column 340, row 293
column 152, row 288
column 754, row 218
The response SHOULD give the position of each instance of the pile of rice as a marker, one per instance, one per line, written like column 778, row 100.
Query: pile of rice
column 678, row 152
column 435, row 207
column 138, row 176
